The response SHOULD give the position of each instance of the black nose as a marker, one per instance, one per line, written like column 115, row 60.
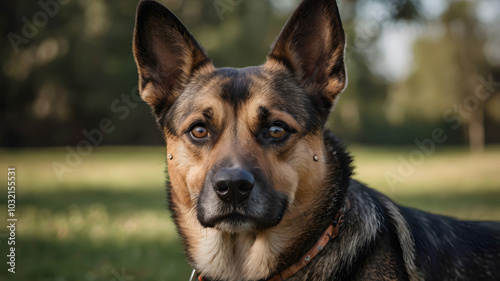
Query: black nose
column 233, row 185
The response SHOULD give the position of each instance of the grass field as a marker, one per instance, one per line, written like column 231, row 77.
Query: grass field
column 107, row 218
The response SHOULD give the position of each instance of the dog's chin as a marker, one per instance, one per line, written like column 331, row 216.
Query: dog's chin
column 237, row 223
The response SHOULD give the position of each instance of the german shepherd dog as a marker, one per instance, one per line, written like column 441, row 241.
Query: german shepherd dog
column 259, row 190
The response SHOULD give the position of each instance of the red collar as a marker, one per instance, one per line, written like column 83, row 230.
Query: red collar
column 331, row 232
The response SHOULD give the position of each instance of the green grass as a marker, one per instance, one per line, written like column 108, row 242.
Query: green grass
column 107, row 219
column 450, row 182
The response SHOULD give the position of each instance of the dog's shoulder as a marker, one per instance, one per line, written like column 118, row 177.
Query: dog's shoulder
column 430, row 242
column 389, row 253
column 470, row 248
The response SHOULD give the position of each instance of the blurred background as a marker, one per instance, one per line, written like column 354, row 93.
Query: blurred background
column 421, row 115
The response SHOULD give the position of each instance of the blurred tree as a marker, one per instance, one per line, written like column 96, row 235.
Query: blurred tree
column 467, row 34
column 359, row 115
column 452, row 80
column 67, row 67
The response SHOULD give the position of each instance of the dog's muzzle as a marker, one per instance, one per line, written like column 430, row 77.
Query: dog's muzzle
column 235, row 199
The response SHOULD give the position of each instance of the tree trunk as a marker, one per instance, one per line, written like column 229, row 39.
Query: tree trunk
column 476, row 130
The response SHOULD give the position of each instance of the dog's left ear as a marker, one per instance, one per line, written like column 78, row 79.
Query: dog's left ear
column 312, row 46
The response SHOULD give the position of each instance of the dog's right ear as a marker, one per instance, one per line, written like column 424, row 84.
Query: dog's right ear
column 166, row 55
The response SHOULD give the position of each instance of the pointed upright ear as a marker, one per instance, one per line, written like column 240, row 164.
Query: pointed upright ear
column 166, row 55
column 312, row 46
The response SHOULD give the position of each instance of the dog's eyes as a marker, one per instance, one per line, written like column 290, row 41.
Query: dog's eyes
column 199, row 132
column 277, row 132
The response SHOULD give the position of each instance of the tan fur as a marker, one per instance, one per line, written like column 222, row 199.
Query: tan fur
column 247, row 255
column 247, row 203
column 177, row 73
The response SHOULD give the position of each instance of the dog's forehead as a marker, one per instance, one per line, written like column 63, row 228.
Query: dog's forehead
column 260, row 86
column 237, row 86
column 231, row 85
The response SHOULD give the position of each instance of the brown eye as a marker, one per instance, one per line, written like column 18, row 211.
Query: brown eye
column 199, row 132
column 277, row 132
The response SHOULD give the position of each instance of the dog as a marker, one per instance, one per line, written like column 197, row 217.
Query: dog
column 259, row 190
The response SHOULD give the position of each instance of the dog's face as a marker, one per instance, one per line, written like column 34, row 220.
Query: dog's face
column 241, row 140
column 245, row 145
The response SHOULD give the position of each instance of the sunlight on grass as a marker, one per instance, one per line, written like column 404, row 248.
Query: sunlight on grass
column 109, row 167
column 450, row 182
column 440, row 173
column 109, row 214
column 96, row 224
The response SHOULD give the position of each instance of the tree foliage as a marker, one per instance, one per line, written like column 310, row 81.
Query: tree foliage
column 67, row 67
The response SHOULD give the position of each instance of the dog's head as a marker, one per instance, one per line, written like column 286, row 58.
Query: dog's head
column 245, row 146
